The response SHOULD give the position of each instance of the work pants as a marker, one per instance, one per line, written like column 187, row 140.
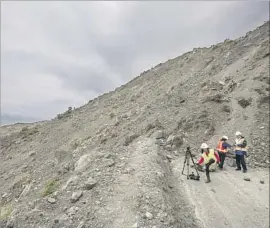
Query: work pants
column 207, row 165
column 240, row 160
column 222, row 157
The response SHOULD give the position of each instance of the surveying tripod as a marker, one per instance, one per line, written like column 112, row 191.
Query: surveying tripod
column 188, row 156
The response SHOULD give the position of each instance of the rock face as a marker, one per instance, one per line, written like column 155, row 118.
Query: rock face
column 91, row 167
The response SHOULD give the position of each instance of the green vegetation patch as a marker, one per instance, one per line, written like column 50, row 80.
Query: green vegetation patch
column 50, row 187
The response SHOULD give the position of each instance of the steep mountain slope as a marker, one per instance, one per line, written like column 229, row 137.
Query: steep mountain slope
column 100, row 166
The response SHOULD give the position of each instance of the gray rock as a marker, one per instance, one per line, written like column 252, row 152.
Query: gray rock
column 108, row 155
column 83, row 162
column 89, row 184
column 247, row 45
column 160, row 134
column 129, row 139
column 135, row 225
column 226, row 108
column 148, row 215
column 110, row 162
column 163, row 216
column 81, row 225
column 10, row 224
column 24, row 167
column 72, row 211
column 4, row 195
column 26, row 190
column 168, row 147
column 71, row 181
column 261, row 181
column 246, row 178
column 243, row 102
column 68, row 166
column 170, row 139
column 128, row 170
column 177, row 140
column 160, row 142
column 32, row 153
column 76, row 196
column 221, row 83
column 56, row 221
column 51, row 200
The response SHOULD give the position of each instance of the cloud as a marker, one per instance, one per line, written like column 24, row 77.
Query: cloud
column 60, row 54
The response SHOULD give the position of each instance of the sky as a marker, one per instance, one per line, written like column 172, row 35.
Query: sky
column 56, row 54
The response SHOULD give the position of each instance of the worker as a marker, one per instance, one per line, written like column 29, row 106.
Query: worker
column 240, row 151
column 222, row 149
column 208, row 157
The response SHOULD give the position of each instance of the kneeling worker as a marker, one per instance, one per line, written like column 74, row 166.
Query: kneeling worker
column 208, row 157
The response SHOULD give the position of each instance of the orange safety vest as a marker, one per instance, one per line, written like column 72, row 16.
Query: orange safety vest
column 220, row 148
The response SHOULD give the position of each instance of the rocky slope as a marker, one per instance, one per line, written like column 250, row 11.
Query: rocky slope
column 101, row 166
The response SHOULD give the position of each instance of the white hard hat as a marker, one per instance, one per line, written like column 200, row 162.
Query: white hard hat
column 225, row 137
column 238, row 133
column 204, row 146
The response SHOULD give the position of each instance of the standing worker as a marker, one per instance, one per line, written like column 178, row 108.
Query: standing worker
column 240, row 151
column 208, row 157
column 222, row 150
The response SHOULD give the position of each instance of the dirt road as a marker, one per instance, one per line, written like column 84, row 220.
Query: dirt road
column 228, row 201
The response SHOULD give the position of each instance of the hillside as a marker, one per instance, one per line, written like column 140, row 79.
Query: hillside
column 101, row 166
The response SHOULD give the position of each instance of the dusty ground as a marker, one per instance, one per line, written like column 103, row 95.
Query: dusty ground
column 229, row 201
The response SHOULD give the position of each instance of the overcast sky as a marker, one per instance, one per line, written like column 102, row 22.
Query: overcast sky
column 60, row 54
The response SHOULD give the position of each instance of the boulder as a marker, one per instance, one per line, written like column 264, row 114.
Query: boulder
column 83, row 162
column 51, row 200
column 76, row 196
column 89, row 184
column 148, row 215
column 246, row 178
column 159, row 134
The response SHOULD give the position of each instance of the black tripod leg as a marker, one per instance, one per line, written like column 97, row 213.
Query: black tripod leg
column 188, row 166
column 194, row 165
column 186, row 162
column 184, row 165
